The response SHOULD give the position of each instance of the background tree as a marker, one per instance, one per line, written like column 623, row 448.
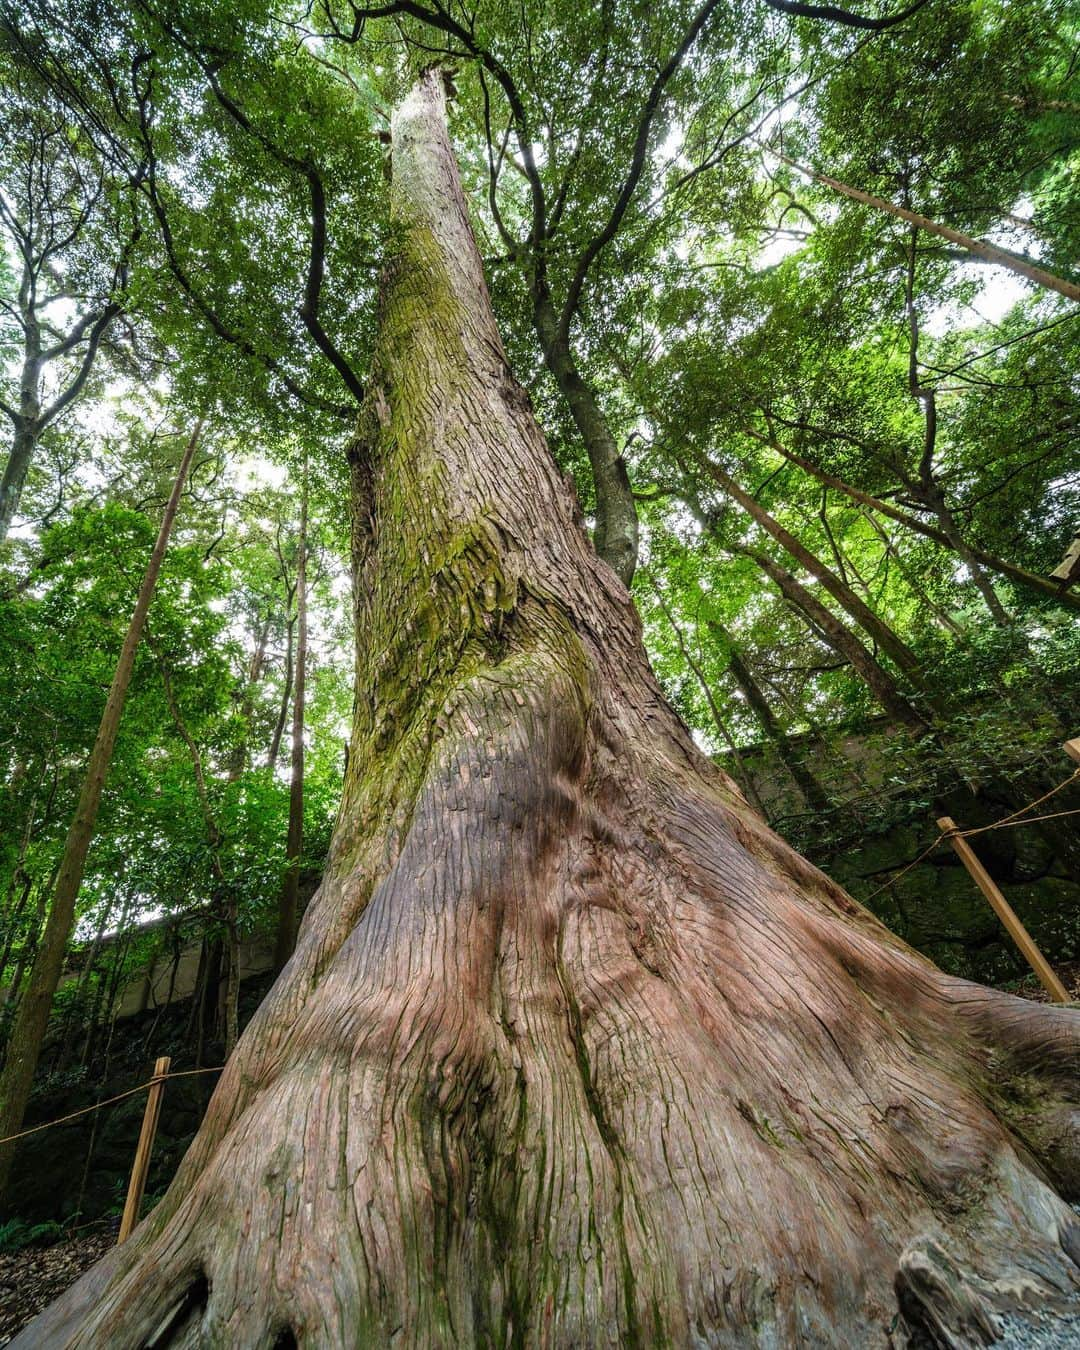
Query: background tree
column 72, row 230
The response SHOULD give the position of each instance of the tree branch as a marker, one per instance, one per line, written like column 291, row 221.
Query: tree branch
column 74, row 337
column 637, row 166
column 979, row 248
column 308, row 310
column 198, row 302
column 74, row 389
column 834, row 14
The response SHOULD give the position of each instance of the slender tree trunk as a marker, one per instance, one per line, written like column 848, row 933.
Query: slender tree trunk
column 978, row 248
column 20, row 875
column 846, row 645
column 77, row 1009
column 744, row 778
column 108, row 984
column 572, row 1049
column 844, row 564
column 247, row 701
column 942, row 617
column 11, row 928
column 209, row 998
column 28, row 417
column 32, row 1017
column 14, row 479
column 889, row 642
column 616, row 532
column 30, row 941
column 26, row 954
column 286, row 694
column 935, row 500
column 294, row 845
column 927, row 487
column 1031, row 580
column 13, row 907
column 231, row 989
column 170, row 989
column 94, row 1020
column 224, row 997
column 815, row 796
column 95, row 1118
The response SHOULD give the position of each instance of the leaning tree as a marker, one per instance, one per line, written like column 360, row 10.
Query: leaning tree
column 572, row 1050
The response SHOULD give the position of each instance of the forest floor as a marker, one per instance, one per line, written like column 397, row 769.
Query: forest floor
column 1068, row 972
column 35, row 1275
column 31, row 1278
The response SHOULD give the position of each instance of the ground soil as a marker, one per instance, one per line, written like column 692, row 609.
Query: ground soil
column 30, row 1279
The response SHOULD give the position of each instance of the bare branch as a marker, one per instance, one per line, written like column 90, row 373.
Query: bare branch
column 834, row 14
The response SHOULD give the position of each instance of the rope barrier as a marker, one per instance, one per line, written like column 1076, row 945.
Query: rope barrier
column 1006, row 822
column 1012, row 824
column 109, row 1101
column 1023, row 810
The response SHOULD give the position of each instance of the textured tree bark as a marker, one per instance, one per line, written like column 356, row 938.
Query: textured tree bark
column 572, row 1050
column 32, row 1016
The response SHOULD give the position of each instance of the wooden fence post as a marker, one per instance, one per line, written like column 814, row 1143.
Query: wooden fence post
column 141, row 1165
column 1072, row 748
column 1006, row 914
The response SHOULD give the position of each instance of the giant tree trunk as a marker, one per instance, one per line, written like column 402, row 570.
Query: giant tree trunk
column 572, row 1050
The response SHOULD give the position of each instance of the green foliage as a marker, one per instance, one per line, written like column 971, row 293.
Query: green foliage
column 16, row 1234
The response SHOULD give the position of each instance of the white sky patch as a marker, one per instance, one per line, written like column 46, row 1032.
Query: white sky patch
column 777, row 249
column 258, row 471
column 1000, row 291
